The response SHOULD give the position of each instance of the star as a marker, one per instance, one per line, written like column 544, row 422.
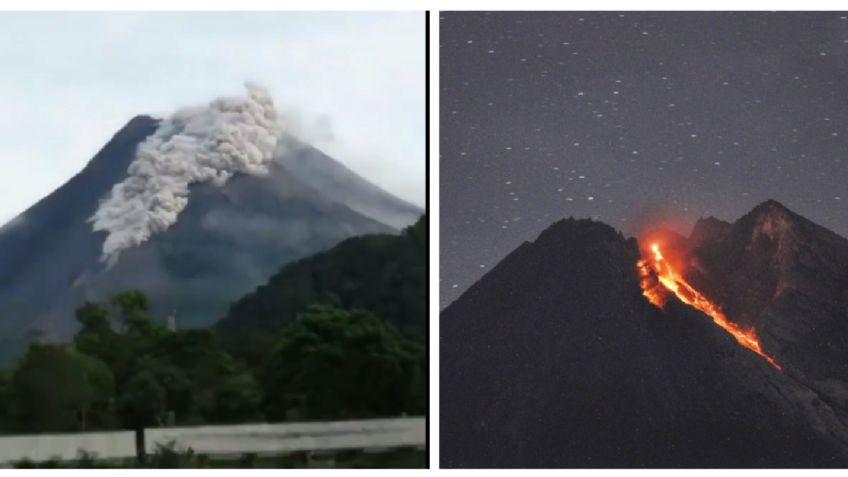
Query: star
column 717, row 116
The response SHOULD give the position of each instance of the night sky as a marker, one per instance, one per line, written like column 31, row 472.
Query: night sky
column 634, row 119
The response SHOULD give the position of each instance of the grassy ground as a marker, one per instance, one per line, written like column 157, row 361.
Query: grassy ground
column 402, row 458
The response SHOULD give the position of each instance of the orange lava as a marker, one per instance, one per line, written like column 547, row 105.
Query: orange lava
column 659, row 278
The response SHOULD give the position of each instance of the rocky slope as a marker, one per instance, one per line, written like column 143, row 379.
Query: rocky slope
column 555, row 359
column 786, row 277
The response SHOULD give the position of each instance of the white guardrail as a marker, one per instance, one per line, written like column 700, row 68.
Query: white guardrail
column 223, row 440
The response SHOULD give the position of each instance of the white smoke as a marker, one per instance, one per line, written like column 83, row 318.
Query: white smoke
column 200, row 144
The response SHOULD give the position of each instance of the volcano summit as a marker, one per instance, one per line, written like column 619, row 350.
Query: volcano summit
column 560, row 356
column 196, row 210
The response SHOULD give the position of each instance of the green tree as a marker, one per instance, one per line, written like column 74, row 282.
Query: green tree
column 202, row 383
column 119, row 332
column 141, row 404
column 5, row 400
column 383, row 274
column 332, row 363
column 220, row 389
column 56, row 388
column 97, row 338
column 173, row 380
column 238, row 398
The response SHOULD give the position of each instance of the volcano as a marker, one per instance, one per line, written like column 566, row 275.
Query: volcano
column 229, row 239
column 559, row 356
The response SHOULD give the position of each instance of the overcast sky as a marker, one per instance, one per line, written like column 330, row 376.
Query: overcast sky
column 353, row 83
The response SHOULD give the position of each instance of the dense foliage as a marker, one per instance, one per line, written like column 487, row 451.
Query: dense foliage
column 58, row 389
column 383, row 274
column 339, row 335
column 124, row 370
column 334, row 364
column 169, row 456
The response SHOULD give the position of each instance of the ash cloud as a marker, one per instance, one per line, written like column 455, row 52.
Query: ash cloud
column 198, row 144
column 317, row 131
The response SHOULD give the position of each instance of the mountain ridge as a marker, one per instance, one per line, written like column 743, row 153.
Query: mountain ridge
column 227, row 240
column 381, row 274
column 795, row 276
column 29, row 225
column 555, row 359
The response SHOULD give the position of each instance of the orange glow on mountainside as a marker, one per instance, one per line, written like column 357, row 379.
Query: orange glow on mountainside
column 659, row 279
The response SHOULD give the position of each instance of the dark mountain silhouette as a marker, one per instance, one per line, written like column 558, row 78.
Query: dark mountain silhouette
column 786, row 277
column 226, row 242
column 556, row 359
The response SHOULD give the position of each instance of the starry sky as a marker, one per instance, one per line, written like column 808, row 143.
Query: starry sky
column 635, row 119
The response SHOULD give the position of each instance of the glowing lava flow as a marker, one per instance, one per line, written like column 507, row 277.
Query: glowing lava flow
column 658, row 276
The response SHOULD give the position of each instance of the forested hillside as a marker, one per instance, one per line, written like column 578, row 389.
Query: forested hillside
column 385, row 275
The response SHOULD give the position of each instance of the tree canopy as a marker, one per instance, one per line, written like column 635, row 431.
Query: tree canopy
column 335, row 364
column 383, row 274
column 58, row 389
column 125, row 370
column 337, row 335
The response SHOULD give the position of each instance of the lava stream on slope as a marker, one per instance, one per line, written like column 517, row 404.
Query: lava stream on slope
column 659, row 280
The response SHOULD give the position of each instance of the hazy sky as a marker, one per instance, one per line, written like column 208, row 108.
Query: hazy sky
column 635, row 119
column 352, row 83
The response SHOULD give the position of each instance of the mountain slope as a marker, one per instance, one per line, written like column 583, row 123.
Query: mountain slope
column 342, row 185
column 555, row 359
column 228, row 240
column 33, row 233
column 383, row 274
column 793, row 278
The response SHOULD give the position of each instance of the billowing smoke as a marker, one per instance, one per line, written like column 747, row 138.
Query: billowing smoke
column 200, row 144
